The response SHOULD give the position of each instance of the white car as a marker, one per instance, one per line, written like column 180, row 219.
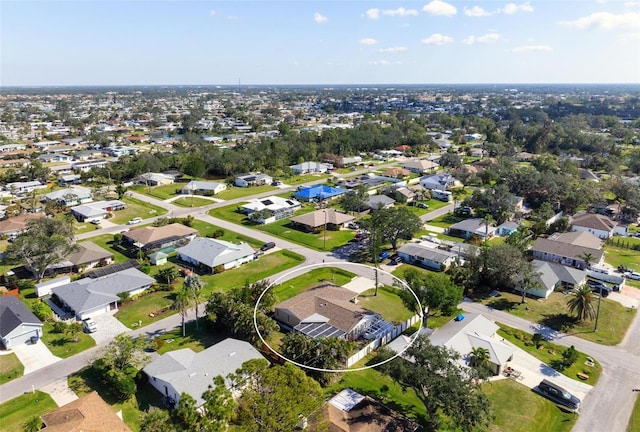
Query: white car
column 632, row 275
column 89, row 325
column 134, row 221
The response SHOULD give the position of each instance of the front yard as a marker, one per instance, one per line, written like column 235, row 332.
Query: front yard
column 553, row 312
column 387, row 303
column 299, row 284
column 18, row 410
column 135, row 208
column 62, row 344
column 10, row 368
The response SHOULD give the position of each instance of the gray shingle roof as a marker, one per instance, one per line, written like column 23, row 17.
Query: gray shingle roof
column 14, row 313
column 432, row 254
column 214, row 252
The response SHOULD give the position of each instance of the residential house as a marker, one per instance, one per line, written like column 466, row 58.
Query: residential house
column 86, row 166
column 323, row 311
column 311, row 167
column 152, row 238
column 586, row 174
column 44, row 288
column 468, row 227
column 90, row 413
column 429, row 257
column 441, row 181
column 252, row 179
column 317, row 221
column 346, row 161
column 376, row 202
column 469, row 331
column 551, row 276
column 69, row 179
column 396, row 172
column 420, row 166
column 270, row 209
column 349, row 411
column 185, row 371
column 570, row 249
column 17, row 224
column 154, row 179
column 197, row 187
column 18, row 163
column 7, row 148
column 215, row 255
column 88, row 256
column 55, row 157
column 507, row 228
column 599, row 225
column 21, row 188
column 96, row 210
column 318, row 193
column 70, row 196
column 17, row 323
column 89, row 297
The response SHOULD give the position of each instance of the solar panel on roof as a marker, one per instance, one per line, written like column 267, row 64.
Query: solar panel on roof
column 267, row 202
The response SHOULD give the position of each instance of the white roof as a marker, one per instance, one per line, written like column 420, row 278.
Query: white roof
column 346, row 400
column 272, row 202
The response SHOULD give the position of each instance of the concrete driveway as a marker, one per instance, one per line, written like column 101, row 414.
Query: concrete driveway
column 34, row 356
column 108, row 328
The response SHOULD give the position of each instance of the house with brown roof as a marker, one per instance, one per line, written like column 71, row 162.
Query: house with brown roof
column 599, row 225
column 17, row 224
column 90, row 413
column 326, row 310
column 569, row 249
column 154, row 238
column 420, row 166
column 316, row 221
column 88, row 256
column 349, row 411
column 396, row 172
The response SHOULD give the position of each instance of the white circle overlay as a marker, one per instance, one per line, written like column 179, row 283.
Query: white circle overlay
column 335, row 264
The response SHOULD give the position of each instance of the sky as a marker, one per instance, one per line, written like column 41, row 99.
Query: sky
column 150, row 42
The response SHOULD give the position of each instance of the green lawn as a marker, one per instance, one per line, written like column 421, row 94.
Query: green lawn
column 159, row 303
column 551, row 354
column 322, row 241
column 518, row 409
column 553, row 312
column 196, row 340
column 135, row 208
column 62, row 344
column 634, row 421
column 618, row 256
column 387, row 303
column 10, row 368
column 192, row 202
column 295, row 286
column 18, row 410
column 445, row 221
column 234, row 192
column 205, row 229
column 105, row 241
column 160, row 192
column 231, row 214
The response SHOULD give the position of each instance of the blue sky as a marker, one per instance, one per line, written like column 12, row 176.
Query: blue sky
column 318, row 42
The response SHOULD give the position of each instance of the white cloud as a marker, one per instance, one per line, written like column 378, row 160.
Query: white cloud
column 437, row 39
column 630, row 4
column 629, row 37
column 531, row 48
column 384, row 62
column 400, row 12
column 393, row 49
column 476, row 11
column 373, row 13
column 605, row 21
column 367, row 41
column 319, row 18
column 486, row 38
column 212, row 12
column 511, row 8
column 438, row 7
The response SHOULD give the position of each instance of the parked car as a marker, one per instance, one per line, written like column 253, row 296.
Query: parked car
column 95, row 221
column 632, row 275
column 558, row 394
column 134, row 221
column 396, row 259
column 597, row 286
column 89, row 325
column 384, row 255
column 422, row 205
column 267, row 246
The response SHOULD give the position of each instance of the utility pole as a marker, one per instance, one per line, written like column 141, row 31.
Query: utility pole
column 324, row 247
column 595, row 329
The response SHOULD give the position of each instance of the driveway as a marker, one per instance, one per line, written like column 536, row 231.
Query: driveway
column 60, row 392
column 34, row 356
column 108, row 328
column 360, row 284
column 625, row 298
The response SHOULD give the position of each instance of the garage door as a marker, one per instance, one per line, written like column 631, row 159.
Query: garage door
column 22, row 338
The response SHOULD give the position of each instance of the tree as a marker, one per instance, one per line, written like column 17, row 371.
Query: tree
column 121, row 190
column 277, row 397
column 480, row 357
column 186, row 414
column 587, row 258
column 47, row 241
column 32, row 424
column 182, row 302
column 527, row 281
column 193, row 284
column 443, row 385
column 218, row 406
column 488, row 220
column 436, row 291
column 581, row 303
column 155, row 420
column 74, row 329
column 394, row 224
column 168, row 274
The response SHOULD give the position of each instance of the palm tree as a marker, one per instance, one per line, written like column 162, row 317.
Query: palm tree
column 488, row 220
column 480, row 357
column 193, row 284
column 182, row 303
column 587, row 258
column 581, row 303
column 33, row 424
column 168, row 274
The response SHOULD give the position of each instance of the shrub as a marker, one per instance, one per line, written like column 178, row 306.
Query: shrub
column 569, row 356
column 42, row 311
column 59, row 327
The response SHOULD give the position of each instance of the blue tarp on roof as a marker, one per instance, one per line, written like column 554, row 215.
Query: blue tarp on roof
column 318, row 192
